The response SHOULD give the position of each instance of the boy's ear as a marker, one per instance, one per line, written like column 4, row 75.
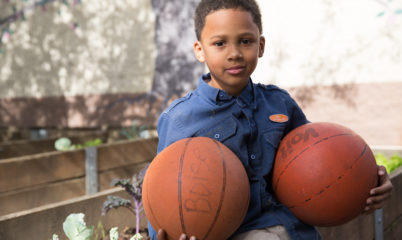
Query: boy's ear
column 262, row 46
column 198, row 51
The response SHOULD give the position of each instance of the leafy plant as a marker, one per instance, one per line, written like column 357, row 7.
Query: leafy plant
column 389, row 163
column 65, row 144
column 75, row 229
column 134, row 131
column 134, row 188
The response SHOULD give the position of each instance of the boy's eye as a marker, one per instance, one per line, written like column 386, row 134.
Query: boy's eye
column 219, row 44
column 245, row 41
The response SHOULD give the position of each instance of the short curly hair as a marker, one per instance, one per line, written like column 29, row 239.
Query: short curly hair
column 205, row 7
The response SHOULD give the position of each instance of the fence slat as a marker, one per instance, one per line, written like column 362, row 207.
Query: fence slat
column 91, row 170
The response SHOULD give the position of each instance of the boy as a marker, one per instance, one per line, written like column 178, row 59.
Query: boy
column 250, row 119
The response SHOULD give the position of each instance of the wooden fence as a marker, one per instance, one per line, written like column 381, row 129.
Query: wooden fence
column 21, row 148
column 35, row 180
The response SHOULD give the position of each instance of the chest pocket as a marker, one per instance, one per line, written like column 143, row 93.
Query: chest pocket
column 221, row 131
column 273, row 136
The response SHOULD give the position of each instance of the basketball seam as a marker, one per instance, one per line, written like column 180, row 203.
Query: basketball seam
column 336, row 180
column 301, row 152
column 222, row 195
column 183, row 226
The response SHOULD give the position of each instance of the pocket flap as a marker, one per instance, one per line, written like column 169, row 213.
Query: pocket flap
column 221, row 131
column 273, row 137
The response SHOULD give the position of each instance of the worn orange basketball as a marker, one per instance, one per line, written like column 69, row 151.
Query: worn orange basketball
column 196, row 186
column 323, row 173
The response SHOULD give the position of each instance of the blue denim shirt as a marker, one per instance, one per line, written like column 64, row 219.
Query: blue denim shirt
column 243, row 124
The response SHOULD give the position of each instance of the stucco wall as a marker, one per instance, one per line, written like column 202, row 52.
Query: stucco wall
column 97, row 63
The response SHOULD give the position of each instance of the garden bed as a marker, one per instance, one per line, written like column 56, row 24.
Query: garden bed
column 31, row 181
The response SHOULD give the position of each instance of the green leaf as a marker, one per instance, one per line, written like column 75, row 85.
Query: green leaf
column 75, row 228
column 114, row 234
column 137, row 236
column 62, row 144
column 380, row 14
column 399, row 11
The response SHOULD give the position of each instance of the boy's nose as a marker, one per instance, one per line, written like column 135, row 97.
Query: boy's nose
column 234, row 53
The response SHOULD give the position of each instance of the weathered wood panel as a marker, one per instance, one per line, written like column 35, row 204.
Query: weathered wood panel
column 29, row 171
column 21, row 148
column 20, row 200
column 32, row 181
column 40, row 223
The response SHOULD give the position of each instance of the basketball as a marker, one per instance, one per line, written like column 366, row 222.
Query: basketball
column 323, row 173
column 196, row 186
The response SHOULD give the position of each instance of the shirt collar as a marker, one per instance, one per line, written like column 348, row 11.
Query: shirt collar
column 246, row 97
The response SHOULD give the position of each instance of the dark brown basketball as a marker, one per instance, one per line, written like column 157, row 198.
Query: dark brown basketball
column 196, row 186
column 323, row 173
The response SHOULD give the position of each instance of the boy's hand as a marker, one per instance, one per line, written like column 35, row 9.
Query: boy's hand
column 379, row 194
column 162, row 236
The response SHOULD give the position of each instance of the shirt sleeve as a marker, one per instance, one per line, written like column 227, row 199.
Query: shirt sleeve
column 298, row 117
column 169, row 131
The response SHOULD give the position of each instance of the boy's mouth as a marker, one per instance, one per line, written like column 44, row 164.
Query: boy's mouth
column 235, row 70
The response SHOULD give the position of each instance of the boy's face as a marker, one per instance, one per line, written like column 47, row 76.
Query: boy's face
column 230, row 45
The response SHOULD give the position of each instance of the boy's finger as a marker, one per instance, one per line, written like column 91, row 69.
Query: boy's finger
column 386, row 187
column 161, row 235
column 382, row 170
column 378, row 199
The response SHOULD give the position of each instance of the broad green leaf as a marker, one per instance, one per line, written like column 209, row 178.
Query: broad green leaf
column 62, row 144
column 114, row 234
column 137, row 236
column 75, row 228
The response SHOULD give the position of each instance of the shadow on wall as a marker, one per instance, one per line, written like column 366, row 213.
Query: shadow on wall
column 94, row 63
column 177, row 71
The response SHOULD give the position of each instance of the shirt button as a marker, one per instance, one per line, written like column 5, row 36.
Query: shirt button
column 217, row 135
column 252, row 156
column 221, row 94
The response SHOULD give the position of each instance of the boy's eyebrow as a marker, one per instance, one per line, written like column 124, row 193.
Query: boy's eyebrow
column 240, row 35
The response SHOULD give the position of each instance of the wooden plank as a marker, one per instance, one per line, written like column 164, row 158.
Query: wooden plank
column 394, row 231
column 16, row 201
column 29, row 171
column 123, row 153
column 25, row 147
column 42, row 222
column 21, row 148
column 393, row 207
column 359, row 228
column 20, row 200
column 19, row 173
column 91, row 170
